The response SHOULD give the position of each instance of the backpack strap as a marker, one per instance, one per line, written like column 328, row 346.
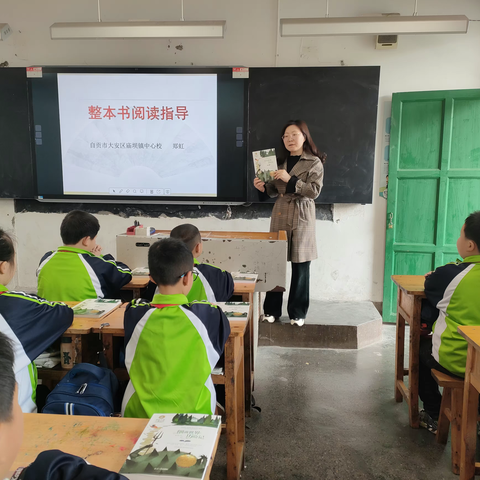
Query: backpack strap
column 97, row 372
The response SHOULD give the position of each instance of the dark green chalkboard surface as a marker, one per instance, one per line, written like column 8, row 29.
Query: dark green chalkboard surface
column 339, row 105
column 16, row 165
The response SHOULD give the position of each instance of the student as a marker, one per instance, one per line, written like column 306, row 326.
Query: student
column 31, row 323
column 76, row 271
column 172, row 345
column 452, row 292
column 212, row 283
column 49, row 465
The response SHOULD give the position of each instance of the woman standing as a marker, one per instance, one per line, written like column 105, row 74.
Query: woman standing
column 296, row 184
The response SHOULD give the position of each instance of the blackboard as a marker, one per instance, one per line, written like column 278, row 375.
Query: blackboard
column 16, row 161
column 339, row 105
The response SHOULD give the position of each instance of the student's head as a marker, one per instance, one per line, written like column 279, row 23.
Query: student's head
column 296, row 139
column 11, row 417
column 80, row 229
column 171, row 264
column 7, row 258
column 189, row 235
column 468, row 243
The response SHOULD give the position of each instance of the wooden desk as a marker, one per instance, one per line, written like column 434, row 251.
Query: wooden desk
column 233, row 379
column 234, row 382
column 83, row 326
column 409, row 306
column 104, row 442
column 468, row 467
column 137, row 284
column 247, row 292
column 282, row 235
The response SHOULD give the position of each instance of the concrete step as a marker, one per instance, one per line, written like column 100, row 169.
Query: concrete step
column 351, row 325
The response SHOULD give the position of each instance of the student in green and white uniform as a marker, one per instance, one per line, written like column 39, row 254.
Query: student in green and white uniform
column 172, row 345
column 76, row 271
column 453, row 299
column 31, row 323
column 212, row 283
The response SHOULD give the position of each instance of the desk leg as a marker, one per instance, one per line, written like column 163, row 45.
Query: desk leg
column 414, row 363
column 248, row 360
column 136, row 293
column 241, row 408
column 469, row 421
column 77, row 349
column 234, row 406
column 107, row 343
column 399, row 353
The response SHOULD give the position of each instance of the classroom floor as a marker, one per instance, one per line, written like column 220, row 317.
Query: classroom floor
column 330, row 414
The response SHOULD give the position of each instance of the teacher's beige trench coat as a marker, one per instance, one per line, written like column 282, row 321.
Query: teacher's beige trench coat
column 295, row 212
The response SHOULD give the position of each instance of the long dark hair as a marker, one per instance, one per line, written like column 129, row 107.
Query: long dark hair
column 309, row 145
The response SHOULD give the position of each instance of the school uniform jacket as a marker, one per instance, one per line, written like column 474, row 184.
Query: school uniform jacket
column 72, row 274
column 172, row 346
column 454, row 290
column 32, row 324
column 295, row 212
column 212, row 284
column 57, row 465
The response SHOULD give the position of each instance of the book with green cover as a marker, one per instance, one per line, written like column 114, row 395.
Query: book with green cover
column 265, row 163
column 95, row 307
column 173, row 446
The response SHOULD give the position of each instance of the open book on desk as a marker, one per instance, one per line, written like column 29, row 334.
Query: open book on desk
column 173, row 447
column 234, row 310
column 95, row 307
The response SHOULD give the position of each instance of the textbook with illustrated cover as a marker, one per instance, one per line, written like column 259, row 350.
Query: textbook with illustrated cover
column 265, row 163
column 173, row 447
column 95, row 307
column 234, row 310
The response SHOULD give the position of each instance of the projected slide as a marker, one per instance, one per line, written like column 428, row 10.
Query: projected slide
column 139, row 134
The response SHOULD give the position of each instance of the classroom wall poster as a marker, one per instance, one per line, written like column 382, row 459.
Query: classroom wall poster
column 387, row 112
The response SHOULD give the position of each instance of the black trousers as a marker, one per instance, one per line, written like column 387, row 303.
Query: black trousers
column 428, row 390
column 299, row 297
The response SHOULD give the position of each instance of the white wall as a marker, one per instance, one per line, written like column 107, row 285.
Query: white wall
column 350, row 265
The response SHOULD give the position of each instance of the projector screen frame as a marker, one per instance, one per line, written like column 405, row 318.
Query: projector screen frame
column 225, row 80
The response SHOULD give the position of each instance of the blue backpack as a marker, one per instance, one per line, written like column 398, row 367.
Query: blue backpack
column 85, row 390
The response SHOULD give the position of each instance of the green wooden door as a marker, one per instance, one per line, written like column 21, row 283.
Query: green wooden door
column 434, row 181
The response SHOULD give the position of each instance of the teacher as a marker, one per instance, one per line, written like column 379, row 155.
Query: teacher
column 296, row 184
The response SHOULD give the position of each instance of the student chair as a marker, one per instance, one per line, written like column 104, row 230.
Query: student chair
column 450, row 414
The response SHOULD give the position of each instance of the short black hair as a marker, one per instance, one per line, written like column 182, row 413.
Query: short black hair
column 168, row 260
column 472, row 228
column 7, row 378
column 188, row 234
column 7, row 250
column 77, row 225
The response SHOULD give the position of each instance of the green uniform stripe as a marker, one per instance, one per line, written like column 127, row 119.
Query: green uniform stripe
column 32, row 371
